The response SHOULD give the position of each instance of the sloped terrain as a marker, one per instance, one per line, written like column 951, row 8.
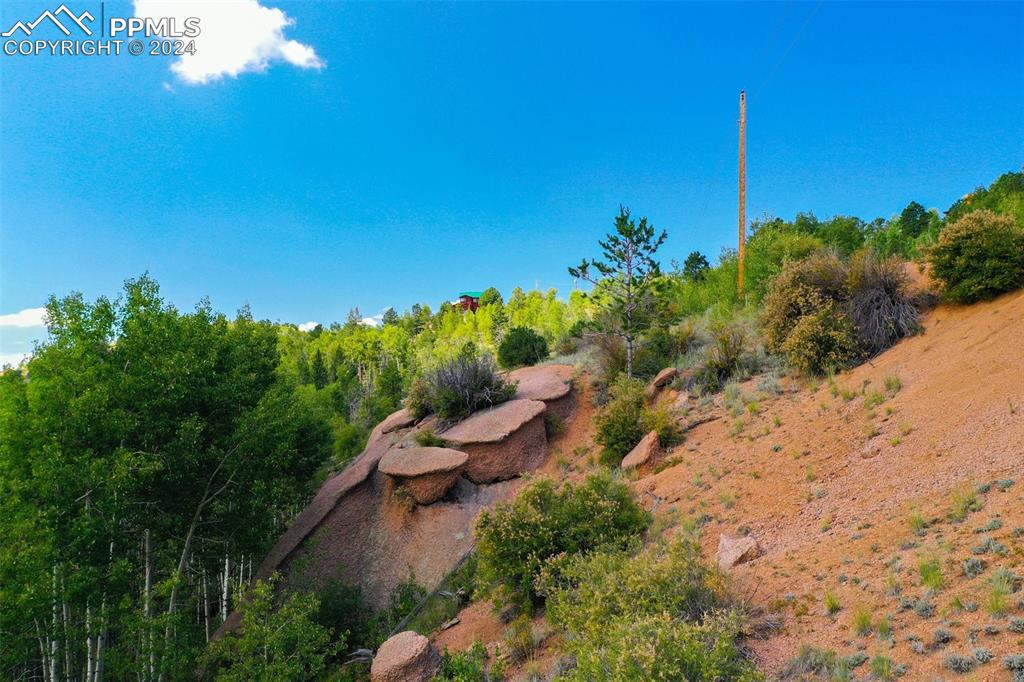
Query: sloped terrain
column 400, row 511
column 852, row 486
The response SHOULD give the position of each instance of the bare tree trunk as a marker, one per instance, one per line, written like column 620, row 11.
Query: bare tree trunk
column 44, row 648
column 629, row 357
column 206, row 608
column 90, row 670
column 101, row 642
column 54, row 640
column 66, row 625
column 224, row 589
column 148, row 601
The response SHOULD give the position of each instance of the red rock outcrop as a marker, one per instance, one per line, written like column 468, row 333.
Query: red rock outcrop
column 644, row 453
column 502, row 442
column 733, row 551
column 405, row 657
column 551, row 384
column 427, row 473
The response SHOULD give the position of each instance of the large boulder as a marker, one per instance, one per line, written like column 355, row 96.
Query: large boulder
column 427, row 473
column 397, row 420
column 502, row 442
column 733, row 551
column 551, row 384
column 406, row 657
column 663, row 378
column 644, row 453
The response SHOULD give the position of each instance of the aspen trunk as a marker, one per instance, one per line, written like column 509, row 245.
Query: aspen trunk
column 148, row 602
column 54, row 640
column 224, row 591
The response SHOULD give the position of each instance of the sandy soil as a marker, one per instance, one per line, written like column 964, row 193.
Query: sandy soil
column 828, row 477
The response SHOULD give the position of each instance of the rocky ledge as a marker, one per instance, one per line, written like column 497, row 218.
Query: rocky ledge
column 502, row 442
column 427, row 473
column 551, row 384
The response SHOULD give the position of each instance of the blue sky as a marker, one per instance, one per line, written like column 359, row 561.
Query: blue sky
column 400, row 152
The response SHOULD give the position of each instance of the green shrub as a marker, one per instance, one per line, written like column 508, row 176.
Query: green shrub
column 824, row 313
column 522, row 346
column 420, row 400
column 800, row 289
column 979, row 256
column 464, row 666
column 661, row 420
column 428, row 439
column 958, row 663
column 931, row 574
column 661, row 346
column 882, row 667
column 862, row 624
column 519, row 639
column 832, row 603
column 274, row 643
column 519, row 539
column 458, row 387
column 554, row 425
column 810, row 660
column 661, row 615
column 724, row 355
column 821, row 342
column 620, row 423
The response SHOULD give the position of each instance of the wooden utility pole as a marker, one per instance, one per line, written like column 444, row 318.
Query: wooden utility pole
column 743, row 192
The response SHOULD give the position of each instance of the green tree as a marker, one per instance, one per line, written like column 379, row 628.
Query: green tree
column 979, row 256
column 695, row 266
column 1005, row 195
column 522, row 346
column 491, row 296
column 624, row 276
column 390, row 317
column 151, row 447
column 914, row 219
column 320, row 375
column 354, row 318
column 285, row 643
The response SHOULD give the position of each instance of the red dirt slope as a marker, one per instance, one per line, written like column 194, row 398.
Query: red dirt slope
column 831, row 478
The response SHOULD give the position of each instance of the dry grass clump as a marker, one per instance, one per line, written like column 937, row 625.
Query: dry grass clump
column 824, row 313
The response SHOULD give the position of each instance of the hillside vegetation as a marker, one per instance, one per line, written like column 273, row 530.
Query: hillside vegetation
column 149, row 455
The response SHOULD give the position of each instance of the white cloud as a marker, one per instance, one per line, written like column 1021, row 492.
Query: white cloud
column 308, row 326
column 29, row 317
column 12, row 359
column 374, row 321
column 237, row 36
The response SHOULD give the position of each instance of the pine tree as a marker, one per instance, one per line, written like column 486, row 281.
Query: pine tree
column 320, row 376
column 625, row 276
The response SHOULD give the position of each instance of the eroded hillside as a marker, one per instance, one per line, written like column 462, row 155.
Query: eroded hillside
column 888, row 502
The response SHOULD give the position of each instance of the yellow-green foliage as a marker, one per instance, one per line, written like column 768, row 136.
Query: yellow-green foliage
column 517, row 540
column 823, row 312
column 800, row 289
column 831, row 603
column 964, row 502
column 661, row 420
column 979, row 256
column 1000, row 587
column 862, row 620
column 660, row 615
column 276, row 641
column 931, row 574
column 620, row 422
column 821, row 342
